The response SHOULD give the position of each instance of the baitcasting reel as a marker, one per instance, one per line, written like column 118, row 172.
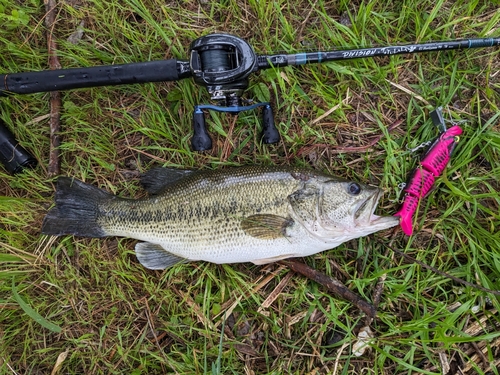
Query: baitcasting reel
column 222, row 63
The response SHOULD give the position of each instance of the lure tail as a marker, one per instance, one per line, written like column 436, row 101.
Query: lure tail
column 421, row 181
column 77, row 209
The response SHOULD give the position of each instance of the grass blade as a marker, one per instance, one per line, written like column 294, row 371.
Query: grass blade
column 32, row 313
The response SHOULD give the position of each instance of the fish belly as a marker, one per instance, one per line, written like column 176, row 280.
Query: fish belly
column 238, row 247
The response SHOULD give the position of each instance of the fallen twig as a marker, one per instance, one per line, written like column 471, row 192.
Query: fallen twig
column 55, row 97
column 377, row 296
column 331, row 284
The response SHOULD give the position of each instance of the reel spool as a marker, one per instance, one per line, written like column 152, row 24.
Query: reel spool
column 222, row 63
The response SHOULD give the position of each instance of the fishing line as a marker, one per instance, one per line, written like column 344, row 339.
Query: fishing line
column 216, row 60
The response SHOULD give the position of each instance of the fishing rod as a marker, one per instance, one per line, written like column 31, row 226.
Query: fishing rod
column 222, row 64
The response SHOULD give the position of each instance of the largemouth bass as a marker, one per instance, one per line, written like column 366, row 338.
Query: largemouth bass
column 247, row 214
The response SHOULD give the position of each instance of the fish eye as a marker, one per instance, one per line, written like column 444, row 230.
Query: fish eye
column 354, row 188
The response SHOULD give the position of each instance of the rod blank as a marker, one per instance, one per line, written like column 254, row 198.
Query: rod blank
column 267, row 61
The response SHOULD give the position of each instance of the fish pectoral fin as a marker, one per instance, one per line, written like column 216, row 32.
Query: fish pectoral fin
column 157, row 179
column 266, row 226
column 155, row 257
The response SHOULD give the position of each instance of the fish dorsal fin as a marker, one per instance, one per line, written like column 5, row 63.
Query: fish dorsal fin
column 156, row 179
column 155, row 257
column 266, row 226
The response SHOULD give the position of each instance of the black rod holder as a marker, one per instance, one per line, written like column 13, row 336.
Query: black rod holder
column 13, row 156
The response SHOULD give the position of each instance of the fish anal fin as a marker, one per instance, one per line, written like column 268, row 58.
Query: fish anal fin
column 266, row 226
column 155, row 257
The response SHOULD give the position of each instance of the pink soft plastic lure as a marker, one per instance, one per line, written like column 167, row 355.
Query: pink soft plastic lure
column 422, row 179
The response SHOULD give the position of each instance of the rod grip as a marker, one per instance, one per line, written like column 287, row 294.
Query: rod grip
column 74, row 78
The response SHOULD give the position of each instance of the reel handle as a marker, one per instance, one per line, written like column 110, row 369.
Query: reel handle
column 269, row 132
column 201, row 140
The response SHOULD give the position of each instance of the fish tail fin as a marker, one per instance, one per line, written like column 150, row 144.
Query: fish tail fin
column 76, row 210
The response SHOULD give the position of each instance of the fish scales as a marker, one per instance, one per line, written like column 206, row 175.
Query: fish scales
column 255, row 214
column 204, row 209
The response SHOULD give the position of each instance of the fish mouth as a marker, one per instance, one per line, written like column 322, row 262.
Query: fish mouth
column 365, row 213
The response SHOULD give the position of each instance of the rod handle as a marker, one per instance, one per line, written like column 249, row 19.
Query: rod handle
column 75, row 78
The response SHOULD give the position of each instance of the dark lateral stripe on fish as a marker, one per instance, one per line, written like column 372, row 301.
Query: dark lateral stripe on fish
column 76, row 211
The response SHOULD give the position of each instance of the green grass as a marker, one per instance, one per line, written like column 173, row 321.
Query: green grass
column 115, row 317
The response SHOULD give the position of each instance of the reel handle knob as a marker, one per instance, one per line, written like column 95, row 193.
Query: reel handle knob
column 269, row 132
column 201, row 140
